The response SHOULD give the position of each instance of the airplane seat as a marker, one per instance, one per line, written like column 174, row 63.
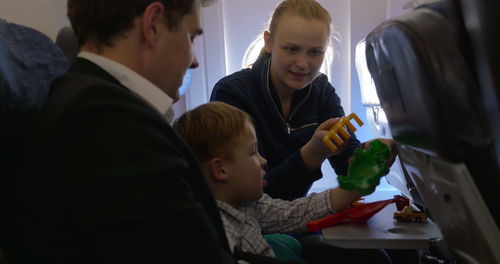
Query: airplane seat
column 433, row 103
column 481, row 22
column 29, row 61
column 68, row 42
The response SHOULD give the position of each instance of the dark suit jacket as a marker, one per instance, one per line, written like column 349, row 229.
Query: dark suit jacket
column 110, row 181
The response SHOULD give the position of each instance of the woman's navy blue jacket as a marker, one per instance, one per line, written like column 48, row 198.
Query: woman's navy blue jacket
column 280, row 139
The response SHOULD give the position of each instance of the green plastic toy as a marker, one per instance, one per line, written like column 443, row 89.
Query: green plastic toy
column 368, row 166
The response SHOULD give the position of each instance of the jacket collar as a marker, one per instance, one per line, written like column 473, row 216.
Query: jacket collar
column 261, row 71
column 132, row 80
column 85, row 66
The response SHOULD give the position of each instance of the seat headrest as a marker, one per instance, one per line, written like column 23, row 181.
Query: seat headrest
column 68, row 42
column 425, row 86
column 29, row 61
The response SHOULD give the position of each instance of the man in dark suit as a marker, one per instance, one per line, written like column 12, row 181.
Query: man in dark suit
column 109, row 181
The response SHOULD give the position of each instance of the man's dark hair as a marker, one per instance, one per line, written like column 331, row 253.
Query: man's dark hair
column 101, row 21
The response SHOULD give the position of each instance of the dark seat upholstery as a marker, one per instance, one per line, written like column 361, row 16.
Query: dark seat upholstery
column 68, row 42
column 481, row 21
column 428, row 88
column 29, row 61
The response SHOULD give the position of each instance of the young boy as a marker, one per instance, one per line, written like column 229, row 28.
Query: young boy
column 223, row 138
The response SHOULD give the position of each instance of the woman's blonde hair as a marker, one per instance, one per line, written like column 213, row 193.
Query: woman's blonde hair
column 309, row 9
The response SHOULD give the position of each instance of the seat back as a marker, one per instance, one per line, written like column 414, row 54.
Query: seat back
column 433, row 104
column 482, row 20
column 29, row 61
column 68, row 42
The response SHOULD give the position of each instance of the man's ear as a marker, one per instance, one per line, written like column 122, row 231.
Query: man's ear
column 152, row 20
column 216, row 169
column 268, row 42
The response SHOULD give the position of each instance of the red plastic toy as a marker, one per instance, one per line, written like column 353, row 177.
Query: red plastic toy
column 357, row 213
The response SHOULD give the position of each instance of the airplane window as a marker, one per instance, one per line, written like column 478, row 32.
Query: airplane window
column 186, row 82
column 377, row 120
column 369, row 95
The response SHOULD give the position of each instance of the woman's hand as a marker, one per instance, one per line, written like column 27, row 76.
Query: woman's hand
column 314, row 152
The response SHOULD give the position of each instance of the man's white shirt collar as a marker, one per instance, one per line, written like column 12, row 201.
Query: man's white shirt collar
column 133, row 81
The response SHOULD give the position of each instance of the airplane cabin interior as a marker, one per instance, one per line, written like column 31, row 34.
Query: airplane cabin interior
column 424, row 73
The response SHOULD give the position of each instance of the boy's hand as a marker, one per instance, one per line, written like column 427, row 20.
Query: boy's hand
column 370, row 163
column 393, row 146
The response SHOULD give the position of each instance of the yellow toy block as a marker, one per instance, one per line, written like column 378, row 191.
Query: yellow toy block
column 338, row 135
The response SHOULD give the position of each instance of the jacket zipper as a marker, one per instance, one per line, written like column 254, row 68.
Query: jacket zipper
column 304, row 126
column 287, row 124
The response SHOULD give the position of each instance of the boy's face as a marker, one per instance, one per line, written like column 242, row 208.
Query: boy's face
column 245, row 171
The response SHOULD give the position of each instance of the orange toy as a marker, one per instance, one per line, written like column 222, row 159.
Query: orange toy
column 333, row 139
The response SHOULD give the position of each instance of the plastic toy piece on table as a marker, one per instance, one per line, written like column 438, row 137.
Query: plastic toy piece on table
column 366, row 169
column 360, row 201
column 410, row 215
column 358, row 213
column 333, row 140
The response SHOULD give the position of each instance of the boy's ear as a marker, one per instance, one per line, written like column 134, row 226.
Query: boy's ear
column 268, row 42
column 216, row 169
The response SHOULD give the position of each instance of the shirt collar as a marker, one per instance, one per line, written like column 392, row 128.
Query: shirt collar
column 231, row 211
column 133, row 81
